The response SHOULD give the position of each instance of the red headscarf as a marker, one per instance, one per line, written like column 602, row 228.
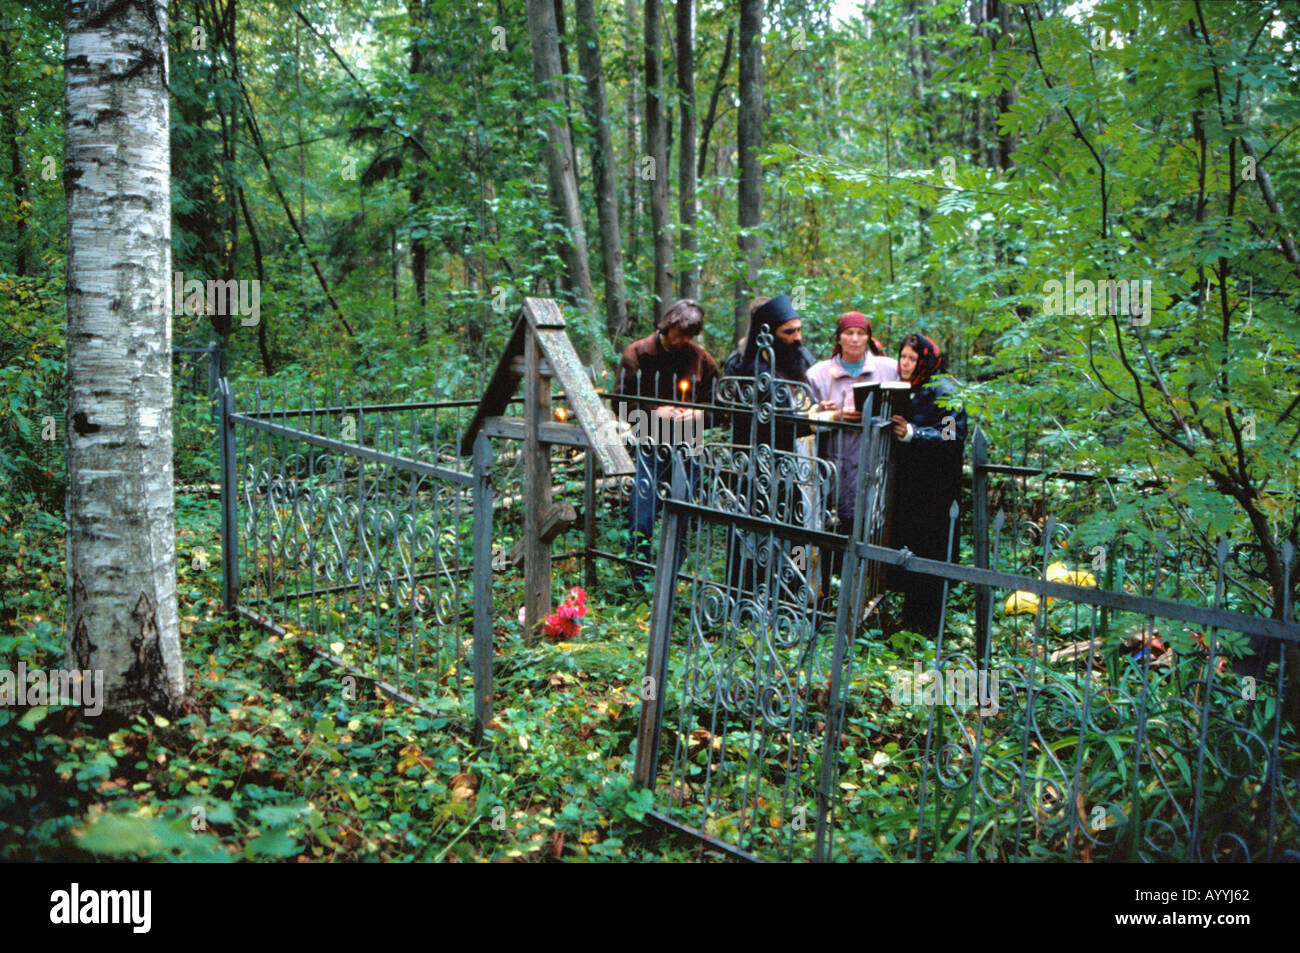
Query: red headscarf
column 928, row 359
column 855, row 319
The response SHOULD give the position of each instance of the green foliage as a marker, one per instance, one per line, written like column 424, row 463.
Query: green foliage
column 32, row 421
column 919, row 167
column 1164, row 112
column 275, row 763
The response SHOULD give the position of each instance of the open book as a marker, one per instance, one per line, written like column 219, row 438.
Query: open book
column 897, row 398
column 894, row 398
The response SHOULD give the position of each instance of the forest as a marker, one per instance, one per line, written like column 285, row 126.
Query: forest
column 259, row 261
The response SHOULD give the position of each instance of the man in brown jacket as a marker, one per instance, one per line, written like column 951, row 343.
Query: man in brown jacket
column 666, row 366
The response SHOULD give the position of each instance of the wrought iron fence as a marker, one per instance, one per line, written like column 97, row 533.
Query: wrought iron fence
column 779, row 720
column 362, row 528
column 744, row 696
column 196, row 373
column 1132, row 740
column 1102, row 717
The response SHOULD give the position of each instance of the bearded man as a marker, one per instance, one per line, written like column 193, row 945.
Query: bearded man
column 787, row 501
column 790, row 362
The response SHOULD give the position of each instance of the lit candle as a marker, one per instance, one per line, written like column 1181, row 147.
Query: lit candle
column 561, row 414
column 683, row 385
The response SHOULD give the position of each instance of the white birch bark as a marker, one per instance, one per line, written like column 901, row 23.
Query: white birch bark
column 121, row 569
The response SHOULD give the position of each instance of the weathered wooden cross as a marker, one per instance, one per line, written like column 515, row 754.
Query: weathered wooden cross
column 539, row 349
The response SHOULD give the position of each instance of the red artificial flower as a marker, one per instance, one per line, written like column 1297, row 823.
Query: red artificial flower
column 563, row 623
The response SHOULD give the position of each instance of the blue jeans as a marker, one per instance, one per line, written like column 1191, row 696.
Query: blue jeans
column 644, row 505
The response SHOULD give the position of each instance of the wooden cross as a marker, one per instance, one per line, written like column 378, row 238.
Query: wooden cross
column 539, row 349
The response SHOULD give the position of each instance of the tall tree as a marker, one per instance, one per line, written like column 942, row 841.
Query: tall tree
column 1007, row 94
column 632, row 128
column 204, row 130
column 711, row 116
column 12, row 134
column 544, row 38
column 602, row 166
column 750, row 140
column 121, row 537
column 686, row 183
column 657, row 145
column 419, row 250
column 561, row 35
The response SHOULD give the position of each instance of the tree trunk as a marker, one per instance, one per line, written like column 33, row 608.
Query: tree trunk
column 711, row 116
column 690, row 274
column 657, row 147
column 602, row 165
column 11, row 133
column 561, row 36
column 633, row 126
column 419, row 251
column 121, row 570
column 750, row 140
column 268, row 366
column 560, row 32
column 1007, row 96
column 544, row 38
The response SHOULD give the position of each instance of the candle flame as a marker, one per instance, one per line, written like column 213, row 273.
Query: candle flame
column 684, row 385
column 561, row 414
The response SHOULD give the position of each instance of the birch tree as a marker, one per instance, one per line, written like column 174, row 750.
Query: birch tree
column 121, row 565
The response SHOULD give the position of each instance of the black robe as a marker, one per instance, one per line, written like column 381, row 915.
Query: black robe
column 927, row 481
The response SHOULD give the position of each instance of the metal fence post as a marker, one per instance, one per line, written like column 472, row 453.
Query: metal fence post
column 482, row 665
column 214, row 376
column 650, row 723
column 589, row 520
column 229, row 495
column 979, row 490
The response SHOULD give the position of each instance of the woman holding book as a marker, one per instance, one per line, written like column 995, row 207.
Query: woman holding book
column 930, row 428
column 855, row 360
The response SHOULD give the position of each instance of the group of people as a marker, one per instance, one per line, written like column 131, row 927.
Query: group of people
column 928, row 425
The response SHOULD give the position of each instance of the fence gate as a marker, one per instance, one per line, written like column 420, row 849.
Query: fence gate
column 742, row 701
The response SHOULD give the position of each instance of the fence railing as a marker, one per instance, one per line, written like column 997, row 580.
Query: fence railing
column 198, row 370
column 1134, row 742
column 360, row 527
column 785, row 723
column 196, row 375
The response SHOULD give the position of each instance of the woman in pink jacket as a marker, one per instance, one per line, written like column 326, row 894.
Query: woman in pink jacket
column 857, row 359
